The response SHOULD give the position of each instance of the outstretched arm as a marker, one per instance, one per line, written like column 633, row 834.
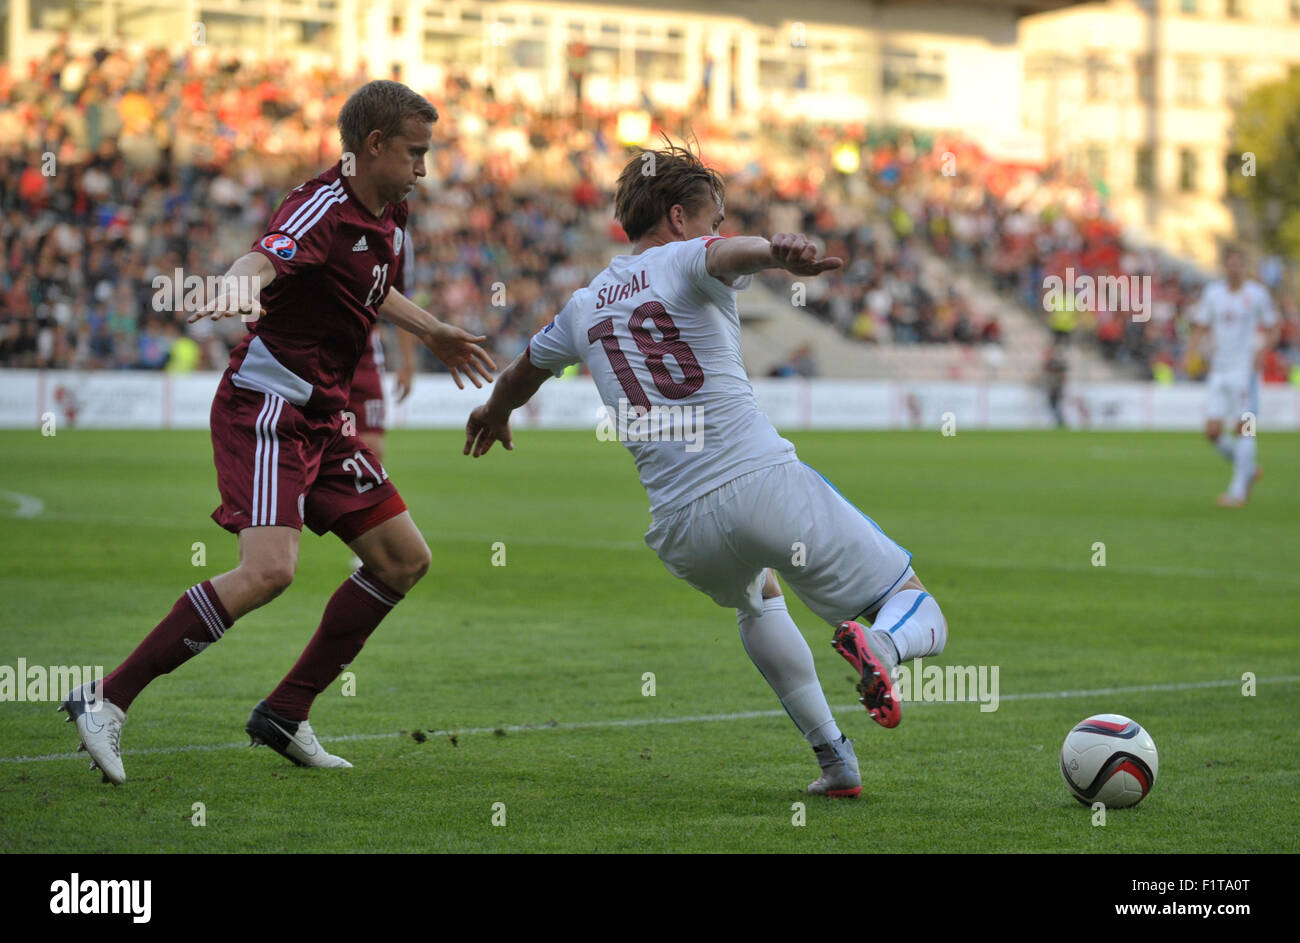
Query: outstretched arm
column 728, row 259
column 491, row 422
column 240, row 290
column 458, row 349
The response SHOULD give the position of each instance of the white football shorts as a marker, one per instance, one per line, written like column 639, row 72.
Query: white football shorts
column 789, row 518
column 1230, row 395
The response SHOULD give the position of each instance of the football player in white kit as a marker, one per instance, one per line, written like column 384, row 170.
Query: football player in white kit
column 1232, row 311
column 731, row 503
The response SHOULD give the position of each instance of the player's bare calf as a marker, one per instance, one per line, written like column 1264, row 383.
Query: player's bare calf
column 395, row 551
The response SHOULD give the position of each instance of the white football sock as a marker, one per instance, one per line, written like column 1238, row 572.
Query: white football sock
column 782, row 656
column 914, row 623
column 1224, row 446
column 1243, row 466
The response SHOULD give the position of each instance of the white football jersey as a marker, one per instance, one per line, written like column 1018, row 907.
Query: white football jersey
column 661, row 337
column 1234, row 319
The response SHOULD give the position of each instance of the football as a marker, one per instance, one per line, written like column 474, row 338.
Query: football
column 1110, row 759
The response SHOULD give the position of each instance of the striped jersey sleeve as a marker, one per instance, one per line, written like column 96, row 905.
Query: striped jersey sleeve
column 298, row 237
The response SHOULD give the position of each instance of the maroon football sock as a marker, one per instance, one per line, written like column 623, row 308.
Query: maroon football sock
column 355, row 609
column 196, row 621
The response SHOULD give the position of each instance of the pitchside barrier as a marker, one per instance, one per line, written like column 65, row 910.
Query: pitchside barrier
column 148, row 400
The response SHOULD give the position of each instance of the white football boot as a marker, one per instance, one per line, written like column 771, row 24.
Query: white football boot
column 99, row 724
column 840, row 778
column 294, row 740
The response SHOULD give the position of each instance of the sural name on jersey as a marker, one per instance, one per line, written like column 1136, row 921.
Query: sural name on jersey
column 610, row 294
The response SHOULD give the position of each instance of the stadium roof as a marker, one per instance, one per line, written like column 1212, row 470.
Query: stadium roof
column 774, row 12
column 1021, row 7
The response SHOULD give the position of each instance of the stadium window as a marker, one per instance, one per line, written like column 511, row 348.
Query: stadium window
column 1146, row 76
column 604, row 59
column 527, row 54
column 1095, row 73
column 1188, row 83
column 1189, row 7
column 912, row 74
column 1187, row 170
column 1144, row 169
column 1232, row 82
column 660, row 65
column 1294, row 7
column 783, row 71
column 1234, row 8
column 1095, row 161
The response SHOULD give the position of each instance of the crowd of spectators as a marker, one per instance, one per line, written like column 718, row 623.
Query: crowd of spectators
column 1026, row 226
column 116, row 169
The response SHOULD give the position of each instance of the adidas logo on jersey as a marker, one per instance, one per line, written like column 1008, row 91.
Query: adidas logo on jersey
column 360, row 245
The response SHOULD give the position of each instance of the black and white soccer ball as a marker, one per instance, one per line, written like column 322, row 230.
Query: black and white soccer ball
column 1110, row 759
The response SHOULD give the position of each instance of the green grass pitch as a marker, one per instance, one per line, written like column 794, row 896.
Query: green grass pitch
column 539, row 663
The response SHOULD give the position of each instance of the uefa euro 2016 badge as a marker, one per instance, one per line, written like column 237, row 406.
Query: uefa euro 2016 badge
column 397, row 241
column 282, row 245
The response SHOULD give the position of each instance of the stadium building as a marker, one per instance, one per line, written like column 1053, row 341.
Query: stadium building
column 1141, row 93
column 899, row 62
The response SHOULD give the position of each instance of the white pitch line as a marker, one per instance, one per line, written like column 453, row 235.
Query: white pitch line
column 28, row 505
column 663, row 721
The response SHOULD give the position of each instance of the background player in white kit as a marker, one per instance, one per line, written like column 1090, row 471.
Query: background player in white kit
column 731, row 502
column 1232, row 311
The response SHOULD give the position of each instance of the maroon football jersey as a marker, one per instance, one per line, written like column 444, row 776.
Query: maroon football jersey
column 334, row 264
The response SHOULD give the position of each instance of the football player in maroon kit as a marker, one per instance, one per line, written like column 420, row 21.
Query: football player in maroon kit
column 283, row 455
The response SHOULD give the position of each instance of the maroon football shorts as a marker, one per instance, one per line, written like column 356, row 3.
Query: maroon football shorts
column 278, row 465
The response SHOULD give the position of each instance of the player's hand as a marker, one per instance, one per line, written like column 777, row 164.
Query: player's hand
column 483, row 429
column 231, row 302
column 402, row 388
column 460, row 352
column 798, row 255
